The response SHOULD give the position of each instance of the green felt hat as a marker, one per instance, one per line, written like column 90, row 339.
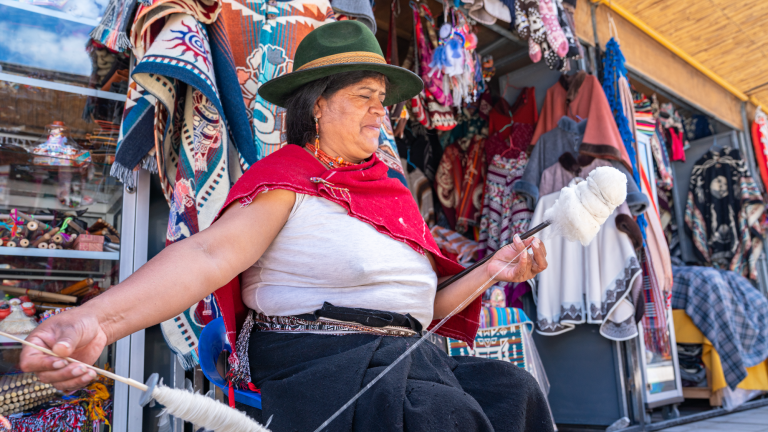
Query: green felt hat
column 336, row 47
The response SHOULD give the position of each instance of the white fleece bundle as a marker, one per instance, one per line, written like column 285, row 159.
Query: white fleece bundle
column 584, row 205
column 17, row 323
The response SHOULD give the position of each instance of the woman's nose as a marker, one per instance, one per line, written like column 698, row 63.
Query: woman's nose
column 378, row 108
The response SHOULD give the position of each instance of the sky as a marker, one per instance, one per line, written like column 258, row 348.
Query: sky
column 46, row 42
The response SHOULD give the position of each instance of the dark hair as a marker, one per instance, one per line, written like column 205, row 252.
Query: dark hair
column 299, row 116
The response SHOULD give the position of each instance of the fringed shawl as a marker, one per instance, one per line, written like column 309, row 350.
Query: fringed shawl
column 368, row 195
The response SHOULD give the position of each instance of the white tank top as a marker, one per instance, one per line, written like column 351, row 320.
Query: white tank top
column 324, row 255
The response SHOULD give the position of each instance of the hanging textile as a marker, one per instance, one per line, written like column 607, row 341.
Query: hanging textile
column 567, row 168
column 422, row 151
column 136, row 146
column 503, row 117
column 656, row 332
column 455, row 246
column 645, row 123
column 619, row 98
column 723, row 213
column 673, row 129
column 152, row 14
column 190, row 145
column 264, row 36
column 760, row 143
column 517, row 141
column 594, row 283
column 504, row 212
column 460, row 180
column 664, row 179
column 112, row 30
column 584, row 99
column 568, row 137
column 658, row 250
column 421, row 190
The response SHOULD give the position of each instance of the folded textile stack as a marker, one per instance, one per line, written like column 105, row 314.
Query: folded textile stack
column 692, row 372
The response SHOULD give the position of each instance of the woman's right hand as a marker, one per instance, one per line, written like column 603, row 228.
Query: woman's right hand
column 70, row 334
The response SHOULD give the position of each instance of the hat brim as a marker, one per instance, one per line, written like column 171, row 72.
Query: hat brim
column 403, row 84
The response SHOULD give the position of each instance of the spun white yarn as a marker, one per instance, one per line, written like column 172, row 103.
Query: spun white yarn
column 584, row 205
column 204, row 411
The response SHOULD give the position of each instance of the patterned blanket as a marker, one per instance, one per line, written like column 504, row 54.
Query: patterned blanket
column 264, row 38
column 174, row 124
column 729, row 311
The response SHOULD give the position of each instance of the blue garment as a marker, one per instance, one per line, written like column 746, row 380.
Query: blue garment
column 613, row 70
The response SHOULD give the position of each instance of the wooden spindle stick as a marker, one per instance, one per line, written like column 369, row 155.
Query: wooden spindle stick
column 77, row 286
column 72, row 224
column 45, row 237
column 127, row 381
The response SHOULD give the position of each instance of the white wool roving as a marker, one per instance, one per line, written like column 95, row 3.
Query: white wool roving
column 204, row 411
column 584, row 205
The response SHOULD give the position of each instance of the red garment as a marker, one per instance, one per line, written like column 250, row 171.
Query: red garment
column 485, row 106
column 523, row 111
column 368, row 195
column 601, row 138
column 511, row 147
column 760, row 143
column 459, row 182
column 678, row 154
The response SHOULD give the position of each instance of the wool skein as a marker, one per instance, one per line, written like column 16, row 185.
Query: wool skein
column 584, row 205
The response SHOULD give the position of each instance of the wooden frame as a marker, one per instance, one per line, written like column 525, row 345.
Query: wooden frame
column 715, row 398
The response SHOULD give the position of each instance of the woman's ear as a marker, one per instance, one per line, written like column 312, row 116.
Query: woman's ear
column 320, row 104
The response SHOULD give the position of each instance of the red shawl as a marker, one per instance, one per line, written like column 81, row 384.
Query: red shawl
column 601, row 138
column 367, row 194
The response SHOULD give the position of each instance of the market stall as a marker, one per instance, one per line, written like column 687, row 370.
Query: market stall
column 522, row 98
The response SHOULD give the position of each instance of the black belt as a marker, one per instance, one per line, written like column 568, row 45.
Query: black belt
column 367, row 317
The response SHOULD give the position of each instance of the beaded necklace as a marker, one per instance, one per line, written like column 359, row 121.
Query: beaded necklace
column 328, row 159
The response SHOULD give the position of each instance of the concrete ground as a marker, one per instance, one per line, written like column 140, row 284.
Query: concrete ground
column 754, row 420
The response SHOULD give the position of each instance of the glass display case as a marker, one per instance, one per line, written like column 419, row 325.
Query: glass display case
column 67, row 228
column 658, row 359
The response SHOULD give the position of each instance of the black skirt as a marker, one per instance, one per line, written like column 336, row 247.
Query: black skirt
column 304, row 378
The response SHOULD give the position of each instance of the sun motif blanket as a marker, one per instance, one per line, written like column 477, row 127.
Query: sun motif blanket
column 174, row 124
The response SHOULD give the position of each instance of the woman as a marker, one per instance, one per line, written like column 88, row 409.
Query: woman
column 334, row 298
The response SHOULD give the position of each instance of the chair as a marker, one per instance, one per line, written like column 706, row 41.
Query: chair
column 213, row 340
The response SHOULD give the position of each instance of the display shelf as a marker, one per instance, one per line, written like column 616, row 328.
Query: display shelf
column 58, row 253
column 5, row 340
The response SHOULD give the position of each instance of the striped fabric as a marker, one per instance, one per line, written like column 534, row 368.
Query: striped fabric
column 508, row 339
column 502, row 316
column 655, row 318
column 455, row 243
column 505, row 213
column 645, row 123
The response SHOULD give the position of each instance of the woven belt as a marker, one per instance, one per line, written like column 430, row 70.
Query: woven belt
column 292, row 324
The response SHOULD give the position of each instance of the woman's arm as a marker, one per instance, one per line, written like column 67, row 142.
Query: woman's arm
column 523, row 267
column 178, row 277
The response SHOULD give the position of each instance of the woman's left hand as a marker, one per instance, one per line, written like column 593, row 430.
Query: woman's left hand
column 524, row 265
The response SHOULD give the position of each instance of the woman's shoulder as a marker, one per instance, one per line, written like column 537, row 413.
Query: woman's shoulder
column 289, row 168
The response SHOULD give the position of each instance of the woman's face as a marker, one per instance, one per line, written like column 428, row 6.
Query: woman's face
column 350, row 120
